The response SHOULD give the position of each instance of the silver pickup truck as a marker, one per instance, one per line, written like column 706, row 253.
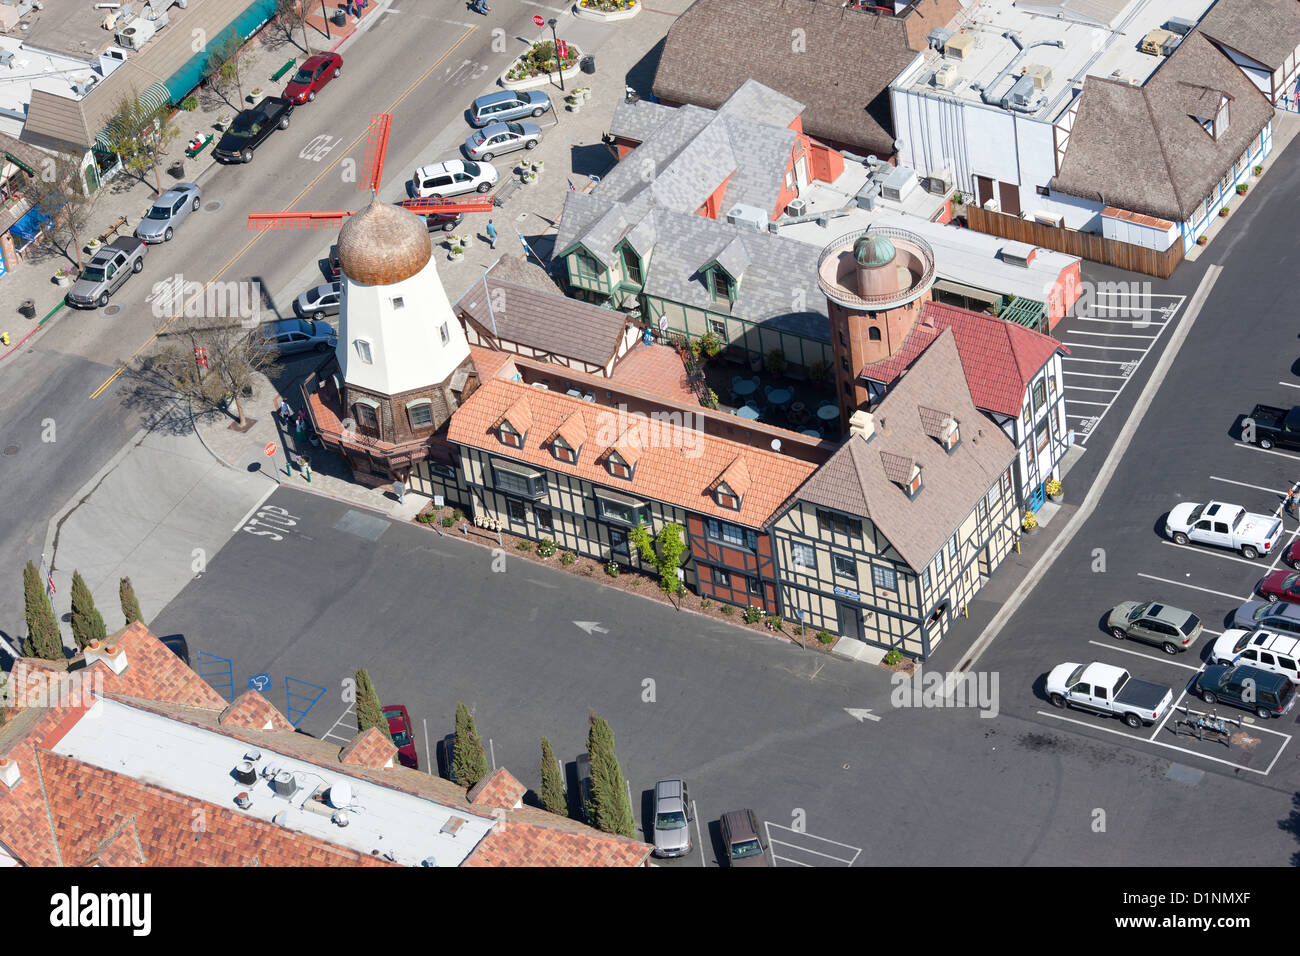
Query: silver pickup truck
column 107, row 270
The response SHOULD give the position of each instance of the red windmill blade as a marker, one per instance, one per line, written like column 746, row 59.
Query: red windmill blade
column 372, row 166
column 425, row 207
column 297, row 220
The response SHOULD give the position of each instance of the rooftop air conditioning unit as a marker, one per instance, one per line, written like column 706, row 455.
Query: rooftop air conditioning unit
column 1050, row 219
column 1159, row 42
column 937, row 37
column 899, row 184
column 7, row 58
column 940, row 181
column 1019, row 254
column 1179, row 25
column 137, row 34
column 745, row 215
column 796, row 207
column 960, row 46
column 946, row 77
column 1042, row 75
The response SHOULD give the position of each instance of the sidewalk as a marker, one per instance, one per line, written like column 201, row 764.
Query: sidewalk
column 126, row 195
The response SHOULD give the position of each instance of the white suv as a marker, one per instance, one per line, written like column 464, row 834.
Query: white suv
column 453, row 178
column 1277, row 653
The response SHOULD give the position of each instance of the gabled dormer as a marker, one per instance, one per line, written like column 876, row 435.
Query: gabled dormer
column 942, row 427
column 904, row 472
column 512, row 429
column 567, row 442
column 731, row 486
column 724, row 271
column 1210, row 109
column 621, row 458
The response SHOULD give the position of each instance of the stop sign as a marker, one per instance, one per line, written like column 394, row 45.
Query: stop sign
column 539, row 20
column 270, row 449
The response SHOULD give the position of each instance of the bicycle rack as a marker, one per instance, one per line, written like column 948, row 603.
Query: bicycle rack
column 1201, row 724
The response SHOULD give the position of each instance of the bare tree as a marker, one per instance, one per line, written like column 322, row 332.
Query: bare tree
column 140, row 138
column 59, row 193
column 292, row 15
column 225, row 65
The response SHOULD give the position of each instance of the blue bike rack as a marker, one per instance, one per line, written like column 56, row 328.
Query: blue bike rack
column 211, row 667
column 290, row 696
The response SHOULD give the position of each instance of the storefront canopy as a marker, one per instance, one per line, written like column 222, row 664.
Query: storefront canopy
column 154, row 98
column 191, row 74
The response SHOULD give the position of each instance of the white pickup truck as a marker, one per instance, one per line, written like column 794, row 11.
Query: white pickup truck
column 1106, row 689
column 1223, row 525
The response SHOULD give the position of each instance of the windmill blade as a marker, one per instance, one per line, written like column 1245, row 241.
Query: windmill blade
column 297, row 220
column 372, row 166
column 423, row 207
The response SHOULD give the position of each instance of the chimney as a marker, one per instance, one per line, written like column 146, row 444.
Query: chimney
column 114, row 657
column 862, row 423
column 9, row 772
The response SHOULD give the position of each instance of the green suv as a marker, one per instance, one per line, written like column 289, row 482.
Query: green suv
column 1169, row 628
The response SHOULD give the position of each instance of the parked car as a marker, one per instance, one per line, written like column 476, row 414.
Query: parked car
column 740, row 837
column 672, row 813
column 583, row 765
column 1224, row 525
column 1106, row 689
column 447, row 758
column 399, row 725
column 1292, row 555
column 1271, row 615
column 314, row 73
column 333, row 271
column 507, row 105
column 168, row 211
column 177, row 644
column 441, row 221
column 320, row 301
column 1272, row 425
column 1169, row 628
column 453, row 178
column 1277, row 653
column 251, row 129
column 1281, row 586
column 294, row 336
column 502, row 138
column 107, row 270
column 1265, row 693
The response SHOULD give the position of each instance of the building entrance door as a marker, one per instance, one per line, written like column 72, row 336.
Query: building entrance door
column 618, row 545
column 850, row 621
column 983, row 189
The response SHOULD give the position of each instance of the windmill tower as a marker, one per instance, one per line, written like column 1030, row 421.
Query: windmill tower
column 403, row 361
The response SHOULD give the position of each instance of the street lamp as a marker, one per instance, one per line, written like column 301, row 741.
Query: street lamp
column 559, row 67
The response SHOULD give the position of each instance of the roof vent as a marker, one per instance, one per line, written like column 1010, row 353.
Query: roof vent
column 246, row 773
column 1019, row 254
column 863, row 424
column 243, row 800
column 9, row 772
column 452, row 826
column 429, row 861
column 340, row 818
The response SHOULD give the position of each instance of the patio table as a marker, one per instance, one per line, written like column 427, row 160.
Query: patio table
column 745, row 387
column 780, row 397
column 828, row 412
column 811, row 433
column 748, row 412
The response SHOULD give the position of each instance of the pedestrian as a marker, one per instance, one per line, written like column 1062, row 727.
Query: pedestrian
column 492, row 235
column 286, row 413
column 1292, row 505
column 353, row 10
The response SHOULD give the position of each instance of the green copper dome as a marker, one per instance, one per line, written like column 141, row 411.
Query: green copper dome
column 873, row 251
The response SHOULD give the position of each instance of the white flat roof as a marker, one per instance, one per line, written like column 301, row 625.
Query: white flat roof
column 200, row 763
column 36, row 70
column 960, row 255
column 1101, row 38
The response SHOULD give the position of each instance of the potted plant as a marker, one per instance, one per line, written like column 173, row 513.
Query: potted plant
column 1224, row 212
column 1259, row 170
column 818, row 372
column 1053, row 489
column 538, row 166
column 457, row 252
column 1029, row 522
column 1202, row 240
column 1241, row 189
column 63, row 277
column 775, row 363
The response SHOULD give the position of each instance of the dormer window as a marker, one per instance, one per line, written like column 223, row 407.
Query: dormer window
column 914, row 482
column 509, row 435
column 903, row 472
column 618, row 466
column 726, row 497
column 564, row 451
column 720, row 284
column 631, row 264
column 950, row 437
column 587, row 266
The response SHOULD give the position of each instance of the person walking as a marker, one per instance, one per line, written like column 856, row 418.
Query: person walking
column 1292, row 503
column 492, row 235
column 286, row 413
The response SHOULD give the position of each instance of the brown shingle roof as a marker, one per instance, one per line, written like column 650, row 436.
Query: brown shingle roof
column 842, row 76
column 1139, row 147
column 863, row 477
column 1267, row 31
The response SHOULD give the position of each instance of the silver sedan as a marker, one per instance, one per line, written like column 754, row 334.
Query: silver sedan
column 502, row 138
column 168, row 211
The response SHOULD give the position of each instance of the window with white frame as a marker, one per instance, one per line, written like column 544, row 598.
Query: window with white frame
column 925, row 580
column 884, row 578
column 363, row 351
column 803, row 556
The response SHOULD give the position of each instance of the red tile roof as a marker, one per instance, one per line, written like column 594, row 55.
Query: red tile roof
column 735, row 476
column 369, row 749
column 500, row 789
column 519, row 844
column 998, row 357
column 657, row 369
column 674, row 464
column 253, row 711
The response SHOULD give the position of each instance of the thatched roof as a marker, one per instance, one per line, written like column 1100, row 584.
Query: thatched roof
column 383, row 244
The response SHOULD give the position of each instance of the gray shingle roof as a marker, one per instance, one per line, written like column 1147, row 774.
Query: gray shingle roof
column 638, row 119
column 1267, row 31
column 734, row 258
column 696, row 171
column 858, row 480
column 1140, row 148
column 842, row 75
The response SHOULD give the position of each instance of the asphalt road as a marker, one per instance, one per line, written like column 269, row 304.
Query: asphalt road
column 70, row 375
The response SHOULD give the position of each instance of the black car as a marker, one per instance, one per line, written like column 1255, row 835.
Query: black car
column 177, row 644
column 440, row 221
column 1266, row 693
column 251, row 128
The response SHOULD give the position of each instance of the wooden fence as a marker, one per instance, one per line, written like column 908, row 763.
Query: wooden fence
column 1085, row 245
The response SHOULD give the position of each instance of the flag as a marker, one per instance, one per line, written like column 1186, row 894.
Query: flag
column 571, row 186
column 528, row 249
column 50, row 579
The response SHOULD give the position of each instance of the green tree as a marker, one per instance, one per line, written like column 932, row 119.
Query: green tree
column 469, row 763
column 369, row 711
column 43, row 638
column 139, row 136
column 664, row 552
column 610, row 809
column 87, row 622
column 130, row 606
column 59, row 192
column 553, row 798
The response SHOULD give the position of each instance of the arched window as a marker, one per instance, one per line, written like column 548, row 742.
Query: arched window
column 873, row 334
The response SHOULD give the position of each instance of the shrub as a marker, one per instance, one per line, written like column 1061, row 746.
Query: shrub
column 798, row 630
column 710, row 344
column 612, row 569
column 819, row 371
column 728, row 609
column 524, row 546
column 826, row 637
column 567, row 558
column 752, row 614
column 1028, row 521
column 190, row 103
column 448, row 521
column 710, row 399
column 775, row 362
column 1259, row 170
column 705, row 602
column 1224, row 211
column 1241, row 189
column 774, row 622
column 894, row 657
column 546, row 547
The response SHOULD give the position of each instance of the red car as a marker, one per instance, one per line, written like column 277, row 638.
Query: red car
column 315, row 72
column 1292, row 556
column 1281, row 586
column 399, row 725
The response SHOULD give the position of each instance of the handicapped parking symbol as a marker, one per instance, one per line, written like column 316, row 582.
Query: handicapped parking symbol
column 259, row 682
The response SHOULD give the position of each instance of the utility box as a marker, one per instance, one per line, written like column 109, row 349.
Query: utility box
column 1159, row 42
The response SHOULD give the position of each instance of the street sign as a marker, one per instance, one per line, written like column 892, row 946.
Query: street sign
column 562, row 50
column 270, row 449
column 539, row 20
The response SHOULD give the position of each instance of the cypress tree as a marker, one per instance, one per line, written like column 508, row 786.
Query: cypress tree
column 553, row 798
column 43, row 639
column 130, row 606
column 469, row 763
column 611, row 810
column 369, row 711
column 87, row 622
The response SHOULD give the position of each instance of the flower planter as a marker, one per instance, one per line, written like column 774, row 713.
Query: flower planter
column 62, row 279
column 1202, row 240
column 595, row 13
column 541, row 79
column 1224, row 212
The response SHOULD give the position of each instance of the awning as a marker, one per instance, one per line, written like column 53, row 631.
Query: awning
column 29, row 227
column 153, row 99
column 180, row 83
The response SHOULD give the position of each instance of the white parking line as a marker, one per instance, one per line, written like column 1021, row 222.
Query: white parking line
column 1211, row 554
column 802, row 836
column 1289, row 384
column 1194, row 587
column 1150, row 657
column 1117, row 335
column 1267, row 451
column 1085, row 388
column 330, row 733
column 1229, row 481
column 1104, row 348
column 1097, row 374
column 1079, row 401
column 1071, row 358
column 1085, row 318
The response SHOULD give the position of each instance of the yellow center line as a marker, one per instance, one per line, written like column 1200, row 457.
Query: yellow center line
column 261, row 234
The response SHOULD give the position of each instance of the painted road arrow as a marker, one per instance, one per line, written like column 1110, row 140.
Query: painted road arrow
column 593, row 627
column 859, row 714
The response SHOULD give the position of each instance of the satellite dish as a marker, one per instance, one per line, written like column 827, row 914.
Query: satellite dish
column 340, row 794
column 776, row 444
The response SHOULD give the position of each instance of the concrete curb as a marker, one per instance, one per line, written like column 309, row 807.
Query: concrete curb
column 583, row 13
column 1117, row 451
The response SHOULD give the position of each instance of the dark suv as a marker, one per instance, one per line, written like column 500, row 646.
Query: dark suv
column 1266, row 693
column 740, row 837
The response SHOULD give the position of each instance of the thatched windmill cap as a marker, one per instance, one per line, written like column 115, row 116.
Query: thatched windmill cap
column 383, row 244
